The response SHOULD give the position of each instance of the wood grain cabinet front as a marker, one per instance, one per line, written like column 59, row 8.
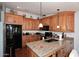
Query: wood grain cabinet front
column 65, row 21
column 30, row 53
column 70, row 22
column 30, row 24
column 13, row 19
column 61, row 53
column 29, row 38
column 66, row 49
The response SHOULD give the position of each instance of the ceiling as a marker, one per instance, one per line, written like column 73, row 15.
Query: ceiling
column 47, row 7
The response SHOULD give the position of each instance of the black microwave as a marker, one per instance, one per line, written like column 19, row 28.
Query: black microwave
column 45, row 28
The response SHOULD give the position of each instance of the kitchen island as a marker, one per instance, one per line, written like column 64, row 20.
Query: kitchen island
column 50, row 49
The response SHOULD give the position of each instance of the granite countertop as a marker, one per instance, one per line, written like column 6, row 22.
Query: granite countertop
column 42, row 48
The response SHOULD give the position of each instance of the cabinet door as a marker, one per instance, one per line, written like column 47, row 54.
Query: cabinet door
column 20, row 20
column 23, row 40
column 36, row 23
column 51, row 23
column 54, row 22
column 45, row 21
column 30, row 24
column 21, row 52
column 9, row 19
column 30, row 53
column 61, row 53
column 70, row 22
column 16, row 19
column 13, row 19
column 68, row 47
column 34, row 38
column 24, row 24
column 62, row 22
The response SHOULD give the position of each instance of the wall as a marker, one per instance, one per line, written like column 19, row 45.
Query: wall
column 34, row 16
column 76, row 37
column 1, row 35
column 1, row 39
column 68, row 34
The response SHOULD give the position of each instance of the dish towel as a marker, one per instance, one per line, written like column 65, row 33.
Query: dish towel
column 74, row 53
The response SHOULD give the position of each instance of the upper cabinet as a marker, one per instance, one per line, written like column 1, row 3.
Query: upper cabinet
column 62, row 22
column 27, row 23
column 30, row 24
column 45, row 21
column 70, row 21
column 13, row 19
column 65, row 21
column 53, row 23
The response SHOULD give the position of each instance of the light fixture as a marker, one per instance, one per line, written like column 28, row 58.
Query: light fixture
column 40, row 25
column 18, row 7
column 58, row 19
column 58, row 26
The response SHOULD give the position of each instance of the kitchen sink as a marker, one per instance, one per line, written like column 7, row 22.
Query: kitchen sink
column 51, row 40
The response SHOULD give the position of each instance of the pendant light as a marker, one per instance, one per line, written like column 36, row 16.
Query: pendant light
column 40, row 25
column 58, row 18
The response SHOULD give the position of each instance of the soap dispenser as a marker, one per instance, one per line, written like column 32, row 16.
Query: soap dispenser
column 43, row 38
column 60, row 37
column 63, row 35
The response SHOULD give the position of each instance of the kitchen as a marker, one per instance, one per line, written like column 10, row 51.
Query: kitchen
column 45, row 35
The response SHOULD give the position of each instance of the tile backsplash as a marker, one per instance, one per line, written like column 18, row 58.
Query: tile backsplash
column 68, row 34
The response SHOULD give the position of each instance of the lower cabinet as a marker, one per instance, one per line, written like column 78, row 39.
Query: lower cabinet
column 62, row 51
column 30, row 53
column 65, row 50
column 29, row 38
column 53, row 54
column 22, row 52
column 25, row 51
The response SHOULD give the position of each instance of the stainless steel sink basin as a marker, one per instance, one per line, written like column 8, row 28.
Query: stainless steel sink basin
column 51, row 40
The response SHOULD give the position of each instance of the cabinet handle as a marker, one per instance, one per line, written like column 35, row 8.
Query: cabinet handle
column 67, row 23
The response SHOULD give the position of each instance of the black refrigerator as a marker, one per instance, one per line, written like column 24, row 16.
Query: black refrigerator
column 13, row 39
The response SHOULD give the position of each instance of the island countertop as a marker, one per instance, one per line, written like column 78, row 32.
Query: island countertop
column 42, row 48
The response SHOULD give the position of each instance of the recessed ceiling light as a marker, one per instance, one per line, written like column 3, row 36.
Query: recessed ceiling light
column 18, row 7
column 58, row 26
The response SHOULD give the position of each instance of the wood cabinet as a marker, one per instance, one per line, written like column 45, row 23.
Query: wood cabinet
column 25, row 40
column 30, row 24
column 27, row 23
column 54, row 23
column 70, row 21
column 61, row 52
column 45, row 21
column 25, row 51
column 30, row 53
column 13, row 19
column 65, row 21
column 29, row 38
column 22, row 52
column 66, row 49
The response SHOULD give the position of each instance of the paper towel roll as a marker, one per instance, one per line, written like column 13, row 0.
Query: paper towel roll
column 74, row 53
column 60, row 37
